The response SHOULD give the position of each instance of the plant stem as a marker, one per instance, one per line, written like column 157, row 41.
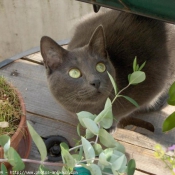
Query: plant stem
column 120, row 93
column 107, row 173
column 37, row 162
column 87, row 160
column 78, row 146
column 96, row 140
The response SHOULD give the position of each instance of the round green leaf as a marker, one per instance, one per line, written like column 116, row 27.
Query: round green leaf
column 169, row 123
column 3, row 169
column 95, row 169
column 88, row 150
column 171, row 100
column 5, row 142
column 137, row 77
column 64, row 145
column 84, row 114
column 171, row 94
column 89, row 134
column 67, row 157
column 14, row 159
column 119, row 147
column 105, row 118
column 91, row 125
column 97, row 148
column 131, row 167
column 104, row 157
column 106, row 139
column 119, row 162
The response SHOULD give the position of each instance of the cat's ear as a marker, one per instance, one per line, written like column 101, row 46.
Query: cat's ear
column 97, row 42
column 51, row 52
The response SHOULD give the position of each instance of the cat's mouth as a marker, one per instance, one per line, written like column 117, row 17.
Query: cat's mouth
column 90, row 95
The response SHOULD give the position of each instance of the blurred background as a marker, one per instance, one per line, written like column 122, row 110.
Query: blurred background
column 24, row 22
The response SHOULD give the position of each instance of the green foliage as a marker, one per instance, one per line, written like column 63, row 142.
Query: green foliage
column 130, row 100
column 85, row 114
column 91, row 125
column 5, row 142
column 131, row 167
column 136, row 66
column 14, row 159
column 171, row 93
column 10, row 155
column 107, row 159
column 169, row 123
column 3, row 169
column 137, row 77
column 105, row 117
column 68, row 159
column 113, row 83
column 88, row 150
column 111, row 158
column 38, row 142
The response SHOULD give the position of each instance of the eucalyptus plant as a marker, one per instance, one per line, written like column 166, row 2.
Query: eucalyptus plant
column 101, row 155
column 105, row 155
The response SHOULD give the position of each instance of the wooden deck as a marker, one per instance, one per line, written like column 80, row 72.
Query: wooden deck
column 48, row 118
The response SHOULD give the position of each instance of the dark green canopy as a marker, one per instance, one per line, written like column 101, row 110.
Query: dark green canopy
column 158, row 9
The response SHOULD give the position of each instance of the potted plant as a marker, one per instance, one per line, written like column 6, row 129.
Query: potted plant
column 13, row 121
column 102, row 155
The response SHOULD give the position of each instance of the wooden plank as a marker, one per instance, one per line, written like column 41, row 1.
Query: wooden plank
column 145, row 160
column 140, row 173
column 46, row 127
column 30, row 79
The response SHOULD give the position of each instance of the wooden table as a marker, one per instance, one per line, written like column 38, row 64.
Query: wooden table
column 48, row 118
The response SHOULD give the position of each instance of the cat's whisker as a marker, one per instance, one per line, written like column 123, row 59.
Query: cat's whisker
column 70, row 98
column 120, row 103
column 78, row 105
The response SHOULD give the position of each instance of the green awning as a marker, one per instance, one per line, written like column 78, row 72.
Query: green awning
column 158, row 9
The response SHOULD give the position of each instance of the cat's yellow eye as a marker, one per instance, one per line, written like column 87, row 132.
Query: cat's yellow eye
column 75, row 73
column 100, row 67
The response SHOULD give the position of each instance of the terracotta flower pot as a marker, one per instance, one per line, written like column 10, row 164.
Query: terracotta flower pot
column 21, row 140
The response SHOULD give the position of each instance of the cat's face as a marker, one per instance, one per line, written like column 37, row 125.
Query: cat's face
column 78, row 79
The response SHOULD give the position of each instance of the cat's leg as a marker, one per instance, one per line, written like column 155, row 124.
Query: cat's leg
column 160, row 103
column 138, row 121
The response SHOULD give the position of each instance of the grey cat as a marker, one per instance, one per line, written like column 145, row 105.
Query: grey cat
column 109, row 41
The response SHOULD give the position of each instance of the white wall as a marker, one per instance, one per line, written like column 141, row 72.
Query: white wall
column 24, row 22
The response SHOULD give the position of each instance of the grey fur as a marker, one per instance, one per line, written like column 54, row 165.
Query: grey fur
column 115, row 39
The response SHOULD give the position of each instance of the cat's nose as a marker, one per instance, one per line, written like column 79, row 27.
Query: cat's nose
column 95, row 83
